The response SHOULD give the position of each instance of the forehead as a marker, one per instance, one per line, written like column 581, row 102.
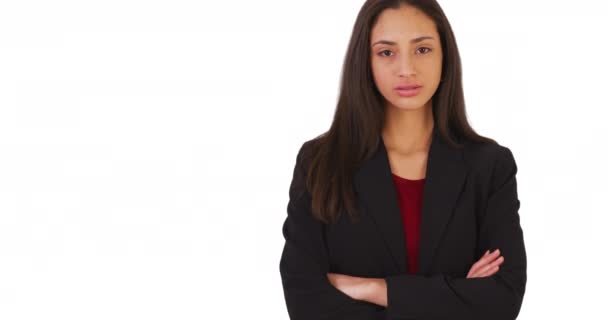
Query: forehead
column 402, row 24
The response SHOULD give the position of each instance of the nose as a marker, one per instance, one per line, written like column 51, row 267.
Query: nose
column 406, row 67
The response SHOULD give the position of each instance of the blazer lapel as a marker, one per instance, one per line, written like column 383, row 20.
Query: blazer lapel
column 445, row 176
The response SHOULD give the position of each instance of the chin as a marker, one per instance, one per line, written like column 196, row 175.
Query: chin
column 412, row 103
column 408, row 107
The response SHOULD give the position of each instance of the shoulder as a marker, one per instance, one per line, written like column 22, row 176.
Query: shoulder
column 490, row 160
column 303, row 158
column 306, row 152
column 479, row 153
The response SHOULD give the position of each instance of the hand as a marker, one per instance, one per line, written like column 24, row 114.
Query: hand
column 487, row 265
column 355, row 287
column 372, row 290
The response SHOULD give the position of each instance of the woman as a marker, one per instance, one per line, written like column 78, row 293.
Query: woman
column 400, row 210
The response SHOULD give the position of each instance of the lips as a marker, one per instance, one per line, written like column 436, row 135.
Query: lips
column 407, row 86
column 411, row 91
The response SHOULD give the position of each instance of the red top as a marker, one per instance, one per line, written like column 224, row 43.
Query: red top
column 410, row 202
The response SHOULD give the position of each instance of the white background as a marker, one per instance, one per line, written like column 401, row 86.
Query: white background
column 146, row 147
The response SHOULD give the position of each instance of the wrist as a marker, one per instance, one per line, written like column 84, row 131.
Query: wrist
column 376, row 291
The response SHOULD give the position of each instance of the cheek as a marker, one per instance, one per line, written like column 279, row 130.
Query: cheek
column 433, row 67
column 428, row 66
column 382, row 75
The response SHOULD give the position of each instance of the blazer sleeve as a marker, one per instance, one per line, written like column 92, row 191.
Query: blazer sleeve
column 304, row 264
column 499, row 296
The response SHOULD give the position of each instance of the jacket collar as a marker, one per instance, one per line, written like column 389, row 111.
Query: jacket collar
column 446, row 172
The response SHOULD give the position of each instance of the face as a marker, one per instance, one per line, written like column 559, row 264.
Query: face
column 406, row 49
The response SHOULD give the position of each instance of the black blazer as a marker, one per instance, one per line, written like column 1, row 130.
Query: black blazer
column 470, row 205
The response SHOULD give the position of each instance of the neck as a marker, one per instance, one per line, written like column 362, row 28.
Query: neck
column 408, row 131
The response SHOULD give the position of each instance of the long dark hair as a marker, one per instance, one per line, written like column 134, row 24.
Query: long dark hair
column 356, row 129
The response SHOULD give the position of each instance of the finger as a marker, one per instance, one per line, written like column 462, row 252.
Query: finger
column 478, row 263
column 485, row 254
column 491, row 268
column 488, row 272
column 492, row 264
column 484, row 272
column 497, row 262
column 493, row 255
column 485, row 260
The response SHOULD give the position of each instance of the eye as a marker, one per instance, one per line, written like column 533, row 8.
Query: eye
column 429, row 49
column 380, row 53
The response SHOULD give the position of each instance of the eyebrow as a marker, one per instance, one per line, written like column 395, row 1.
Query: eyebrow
column 392, row 43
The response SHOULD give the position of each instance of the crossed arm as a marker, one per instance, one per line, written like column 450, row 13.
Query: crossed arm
column 311, row 292
column 374, row 290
